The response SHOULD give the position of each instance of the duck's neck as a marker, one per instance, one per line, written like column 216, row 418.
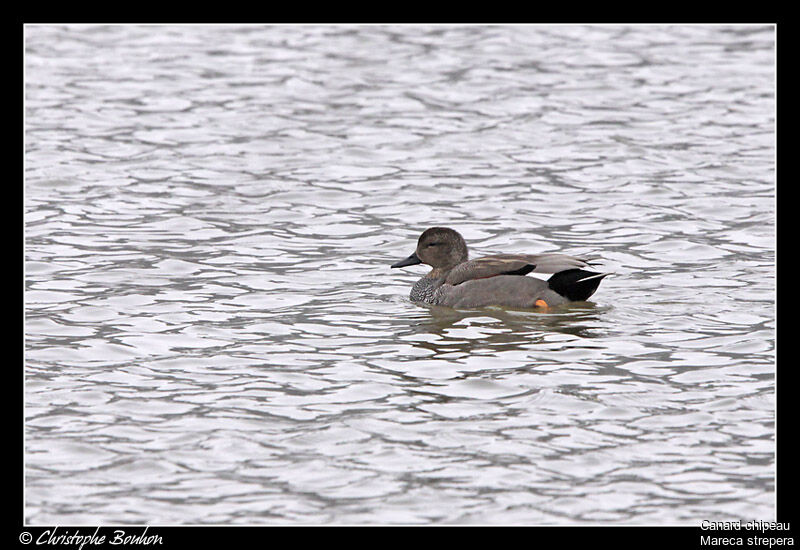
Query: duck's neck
column 438, row 273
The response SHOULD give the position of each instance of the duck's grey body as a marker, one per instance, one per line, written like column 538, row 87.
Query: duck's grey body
column 496, row 280
column 500, row 290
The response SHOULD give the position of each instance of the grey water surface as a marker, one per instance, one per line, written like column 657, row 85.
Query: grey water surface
column 213, row 334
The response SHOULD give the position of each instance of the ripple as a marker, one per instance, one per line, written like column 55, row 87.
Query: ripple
column 213, row 333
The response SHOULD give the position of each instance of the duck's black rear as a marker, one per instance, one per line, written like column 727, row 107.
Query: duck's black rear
column 575, row 284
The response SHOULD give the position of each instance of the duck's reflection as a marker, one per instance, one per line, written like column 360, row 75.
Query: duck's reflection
column 446, row 330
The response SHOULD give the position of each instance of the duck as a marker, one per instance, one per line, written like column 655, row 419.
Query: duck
column 499, row 280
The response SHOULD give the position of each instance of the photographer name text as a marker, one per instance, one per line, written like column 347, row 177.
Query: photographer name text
column 118, row 537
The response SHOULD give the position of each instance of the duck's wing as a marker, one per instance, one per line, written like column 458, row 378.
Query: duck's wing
column 513, row 264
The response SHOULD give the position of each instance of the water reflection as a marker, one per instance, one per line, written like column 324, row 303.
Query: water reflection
column 447, row 330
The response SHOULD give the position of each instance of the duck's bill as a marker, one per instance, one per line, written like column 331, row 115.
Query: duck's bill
column 411, row 260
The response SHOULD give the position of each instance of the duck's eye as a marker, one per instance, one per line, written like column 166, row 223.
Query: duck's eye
column 434, row 244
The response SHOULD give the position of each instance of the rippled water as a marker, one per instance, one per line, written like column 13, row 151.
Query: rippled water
column 213, row 333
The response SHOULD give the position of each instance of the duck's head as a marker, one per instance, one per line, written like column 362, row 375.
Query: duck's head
column 439, row 247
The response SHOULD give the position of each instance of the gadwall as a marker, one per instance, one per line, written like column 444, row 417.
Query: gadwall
column 498, row 280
